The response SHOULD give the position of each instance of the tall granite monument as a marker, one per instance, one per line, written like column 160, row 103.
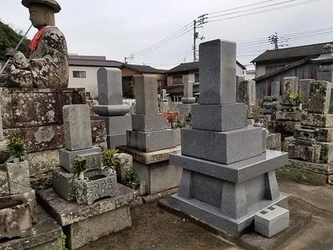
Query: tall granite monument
column 228, row 175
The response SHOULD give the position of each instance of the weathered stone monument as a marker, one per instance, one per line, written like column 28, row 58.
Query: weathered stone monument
column 228, row 175
column 289, row 114
column 311, row 147
column 247, row 94
column 150, row 141
column 23, row 225
column 106, row 202
column 188, row 99
column 163, row 103
column 111, row 108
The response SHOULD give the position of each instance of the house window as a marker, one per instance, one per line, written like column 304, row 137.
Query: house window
column 79, row 74
column 177, row 79
column 196, row 78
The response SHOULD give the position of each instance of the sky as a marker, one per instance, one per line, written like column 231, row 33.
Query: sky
column 160, row 32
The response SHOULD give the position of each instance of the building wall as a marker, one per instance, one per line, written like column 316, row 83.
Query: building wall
column 89, row 82
column 305, row 71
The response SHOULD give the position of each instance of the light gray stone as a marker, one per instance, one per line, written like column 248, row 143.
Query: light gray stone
column 63, row 184
column 111, row 110
column 95, row 186
column 319, row 98
column 1, row 128
column 223, row 147
column 304, row 89
column 92, row 155
column 188, row 93
column 77, row 127
column 184, row 109
column 236, row 172
column 89, row 223
column 125, row 163
column 146, row 123
column 289, row 116
column 114, row 141
column 151, row 141
column 110, row 90
column 217, row 72
column 271, row 221
column 219, row 117
column 146, row 95
column 4, row 188
column 18, row 177
column 116, row 125
column 159, row 176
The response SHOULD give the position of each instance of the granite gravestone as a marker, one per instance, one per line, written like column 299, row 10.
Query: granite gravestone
column 228, row 176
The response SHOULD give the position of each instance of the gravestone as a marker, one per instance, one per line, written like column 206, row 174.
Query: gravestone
column 188, row 99
column 111, row 108
column 304, row 89
column 228, row 176
column 95, row 195
column 289, row 115
column 163, row 104
column 275, row 88
column 247, row 95
column 151, row 140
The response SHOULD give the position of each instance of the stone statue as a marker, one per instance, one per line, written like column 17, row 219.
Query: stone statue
column 47, row 66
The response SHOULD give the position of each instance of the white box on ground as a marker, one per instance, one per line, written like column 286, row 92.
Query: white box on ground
column 271, row 221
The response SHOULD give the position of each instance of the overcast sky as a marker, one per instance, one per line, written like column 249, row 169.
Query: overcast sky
column 120, row 28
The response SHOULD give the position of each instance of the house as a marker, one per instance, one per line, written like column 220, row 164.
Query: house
column 177, row 75
column 83, row 71
column 273, row 65
column 130, row 70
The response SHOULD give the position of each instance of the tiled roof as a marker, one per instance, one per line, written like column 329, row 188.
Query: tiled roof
column 192, row 66
column 143, row 68
column 94, row 63
column 295, row 53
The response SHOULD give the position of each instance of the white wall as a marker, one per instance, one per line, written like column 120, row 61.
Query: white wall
column 260, row 70
column 89, row 83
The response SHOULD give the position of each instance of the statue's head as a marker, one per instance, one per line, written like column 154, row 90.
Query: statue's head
column 42, row 12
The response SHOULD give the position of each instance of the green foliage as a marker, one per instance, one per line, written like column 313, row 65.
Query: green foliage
column 109, row 158
column 63, row 241
column 297, row 98
column 131, row 179
column 16, row 148
column 9, row 39
column 79, row 165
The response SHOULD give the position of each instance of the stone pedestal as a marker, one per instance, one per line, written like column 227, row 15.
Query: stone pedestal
column 83, row 224
column 46, row 234
column 228, row 175
column 154, row 169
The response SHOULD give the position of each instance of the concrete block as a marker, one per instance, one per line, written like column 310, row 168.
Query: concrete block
column 146, row 95
column 223, row 147
column 235, row 172
column 77, row 127
column 158, row 177
column 219, row 117
column 151, row 141
column 116, row 125
column 217, row 72
column 114, row 141
column 92, row 155
column 271, row 221
column 110, row 90
column 146, row 123
column 63, row 184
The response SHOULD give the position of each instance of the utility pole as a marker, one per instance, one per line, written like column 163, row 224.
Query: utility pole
column 274, row 39
column 195, row 36
column 197, row 24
